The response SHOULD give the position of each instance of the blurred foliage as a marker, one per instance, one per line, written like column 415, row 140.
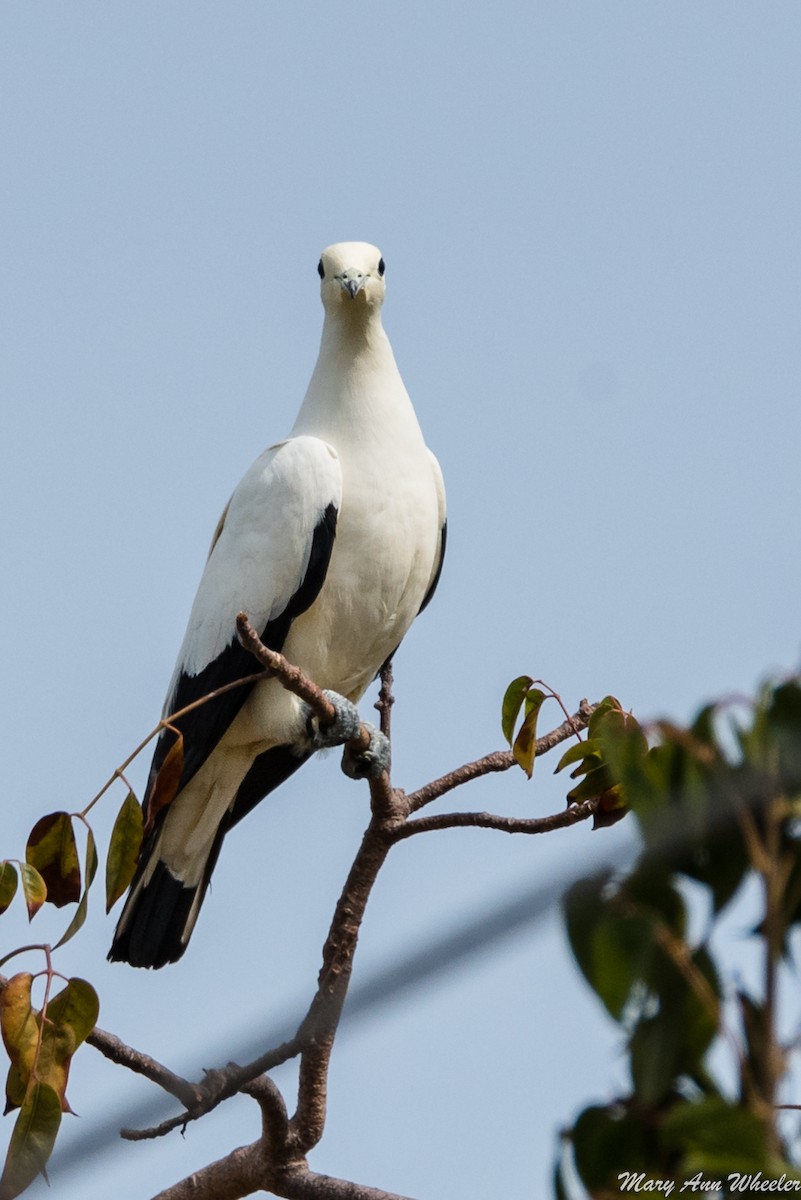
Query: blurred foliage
column 716, row 802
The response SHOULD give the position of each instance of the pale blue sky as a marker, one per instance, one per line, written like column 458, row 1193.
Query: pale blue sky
column 589, row 213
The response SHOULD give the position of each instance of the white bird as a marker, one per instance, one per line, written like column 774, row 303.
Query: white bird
column 331, row 544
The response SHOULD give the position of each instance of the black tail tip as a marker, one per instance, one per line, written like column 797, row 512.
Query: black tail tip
column 154, row 927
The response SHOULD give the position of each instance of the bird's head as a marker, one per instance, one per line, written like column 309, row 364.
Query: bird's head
column 351, row 278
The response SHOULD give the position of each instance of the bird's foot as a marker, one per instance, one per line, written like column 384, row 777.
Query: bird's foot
column 369, row 763
column 344, row 727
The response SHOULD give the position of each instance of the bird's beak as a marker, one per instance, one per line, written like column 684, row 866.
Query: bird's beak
column 351, row 282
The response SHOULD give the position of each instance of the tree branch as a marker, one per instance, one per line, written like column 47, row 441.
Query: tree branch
column 274, row 1117
column 485, row 820
column 273, row 1163
column 276, row 1162
column 320, row 1024
column 218, row 1085
column 221, row 1181
column 117, row 1051
column 303, row 1184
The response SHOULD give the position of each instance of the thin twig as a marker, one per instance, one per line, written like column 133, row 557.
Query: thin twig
column 218, row 1086
column 485, row 820
column 164, row 724
column 386, row 699
column 156, row 1131
column 112, row 1048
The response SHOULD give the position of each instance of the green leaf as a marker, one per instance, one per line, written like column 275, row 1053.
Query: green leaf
column 607, row 1141
column 55, row 1057
column 52, row 851
column 78, row 919
column 513, row 699
column 703, row 727
column 609, row 704
column 77, row 1006
column 8, row 884
column 34, row 889
column 784, row 718
column 123, row 850
column 588, row 752
column 672, row 1043
column 90, row 870
column 653, row 1061
column 90, row 866
column 32, row 1140
column 716, row 1137
column 610, row 947
column 597, row 782
column 15, row 1090
column 525, row 744
column 651, row 887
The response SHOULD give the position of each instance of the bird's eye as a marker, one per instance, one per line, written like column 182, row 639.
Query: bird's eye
column 382, row 266
column 321, row 269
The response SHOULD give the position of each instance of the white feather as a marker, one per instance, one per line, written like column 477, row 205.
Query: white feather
column 261, row 554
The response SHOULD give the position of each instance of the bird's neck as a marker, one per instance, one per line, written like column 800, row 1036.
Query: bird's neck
column 355, row 380
column 353, row 335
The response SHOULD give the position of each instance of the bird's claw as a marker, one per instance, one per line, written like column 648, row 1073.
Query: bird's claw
column 344, row 727
column 369, row 763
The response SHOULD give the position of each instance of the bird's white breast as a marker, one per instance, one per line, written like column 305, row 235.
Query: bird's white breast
column 386, row 544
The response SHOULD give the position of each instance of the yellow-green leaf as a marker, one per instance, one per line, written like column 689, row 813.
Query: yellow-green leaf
column 52, row 851
column 595, row 783
column 525, row 744
column 32, row 1140
column 587, row 752
column 513, row 699
column 34, row 889
column 76, row 1005
column 8, row 884
column 123, row 850
column 18, row 1023
column 55, row 1055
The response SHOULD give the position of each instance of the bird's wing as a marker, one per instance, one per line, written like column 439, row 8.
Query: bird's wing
column 268, row 559
column 436, row 569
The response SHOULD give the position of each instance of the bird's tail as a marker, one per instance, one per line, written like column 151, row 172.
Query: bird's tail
column 161, row 910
